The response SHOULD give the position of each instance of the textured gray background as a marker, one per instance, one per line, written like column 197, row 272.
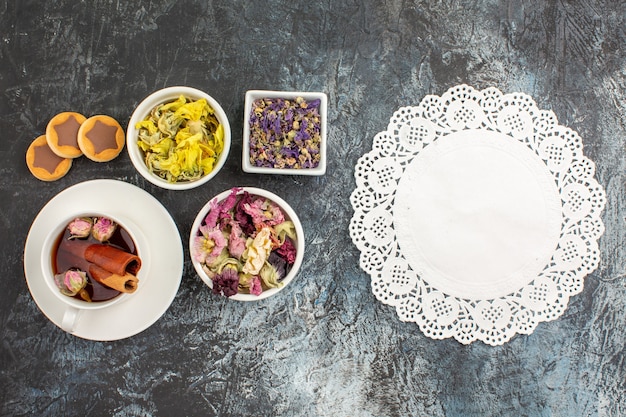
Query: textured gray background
column 324, row 346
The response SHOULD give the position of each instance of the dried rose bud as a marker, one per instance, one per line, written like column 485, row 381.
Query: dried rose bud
column 103, row 229
column 80, row 227
column 72, row 282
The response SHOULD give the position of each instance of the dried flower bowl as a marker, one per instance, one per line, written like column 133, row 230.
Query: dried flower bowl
column 232, row 230
column 285, row 132
column 185, row 152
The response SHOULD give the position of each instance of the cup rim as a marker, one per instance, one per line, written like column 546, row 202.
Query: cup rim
column 49, row 243
column 142, row 110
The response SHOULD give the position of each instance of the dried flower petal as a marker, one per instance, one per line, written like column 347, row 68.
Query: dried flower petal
column 103, row 229
column 269, row 276
column 202, row 247
column 80, row 227
column 220, row 210
column 255, row 288
column 211, row 218
column 243, row 218
column 258, row 252
column 285, row 230
column 287, row 251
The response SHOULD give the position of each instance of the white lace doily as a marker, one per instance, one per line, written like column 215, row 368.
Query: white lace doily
column 477, row 215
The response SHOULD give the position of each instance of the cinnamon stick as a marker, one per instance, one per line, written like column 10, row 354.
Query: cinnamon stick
column 123, row 283
column 105, row 256
column 112, row 259
column 106, row 264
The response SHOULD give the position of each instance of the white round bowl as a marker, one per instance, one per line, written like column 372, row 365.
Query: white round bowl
column 289, row 214
column 143, row 110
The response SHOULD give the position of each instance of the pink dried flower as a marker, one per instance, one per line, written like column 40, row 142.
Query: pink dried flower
column 80, row 227
column 287, row 251
column 71, row 282
column 211, row 218
column 208, row 245
column 221, row 209
column 236, row 241
column 103, row 229
column 255, row 288
column 264, row 213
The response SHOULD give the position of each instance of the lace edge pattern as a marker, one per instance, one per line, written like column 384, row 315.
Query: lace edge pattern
column 439, row 315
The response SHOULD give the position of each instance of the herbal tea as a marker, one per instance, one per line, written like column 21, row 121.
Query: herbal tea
column 95, row 259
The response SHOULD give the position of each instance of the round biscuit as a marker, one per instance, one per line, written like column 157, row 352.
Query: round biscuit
column 101, row 138
column 43, row 163
column 62, row 134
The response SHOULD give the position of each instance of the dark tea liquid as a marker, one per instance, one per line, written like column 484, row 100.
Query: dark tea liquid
column 62, row 261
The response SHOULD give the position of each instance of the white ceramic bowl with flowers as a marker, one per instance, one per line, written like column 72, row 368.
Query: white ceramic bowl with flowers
column 247, row 244
column 178, row 138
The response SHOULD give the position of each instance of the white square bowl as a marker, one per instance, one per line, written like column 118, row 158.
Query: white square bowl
column 251, row 96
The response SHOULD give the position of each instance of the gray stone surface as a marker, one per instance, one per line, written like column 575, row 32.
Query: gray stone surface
column 324, row 346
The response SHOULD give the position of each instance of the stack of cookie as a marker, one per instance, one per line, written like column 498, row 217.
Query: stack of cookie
column 70, row 135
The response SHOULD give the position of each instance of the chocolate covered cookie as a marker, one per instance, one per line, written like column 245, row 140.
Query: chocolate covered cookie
column 101, row 138
column 62, row 134
column 43, row 163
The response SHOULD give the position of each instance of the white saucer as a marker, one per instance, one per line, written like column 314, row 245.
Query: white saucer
column 148, row 304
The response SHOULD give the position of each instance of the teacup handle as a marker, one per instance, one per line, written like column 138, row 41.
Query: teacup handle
column 70, row 318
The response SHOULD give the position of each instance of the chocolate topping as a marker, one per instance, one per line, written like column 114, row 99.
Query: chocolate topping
column 67, row 132
column 102, row 136
column 46, row 159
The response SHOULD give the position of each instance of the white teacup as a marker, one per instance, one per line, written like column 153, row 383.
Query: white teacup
column 74, row 306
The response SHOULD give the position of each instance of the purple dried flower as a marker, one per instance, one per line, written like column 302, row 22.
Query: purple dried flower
column 226, row 283
column 279, row 264
column 290, row 152
column 281, row 131
column 243, row 218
